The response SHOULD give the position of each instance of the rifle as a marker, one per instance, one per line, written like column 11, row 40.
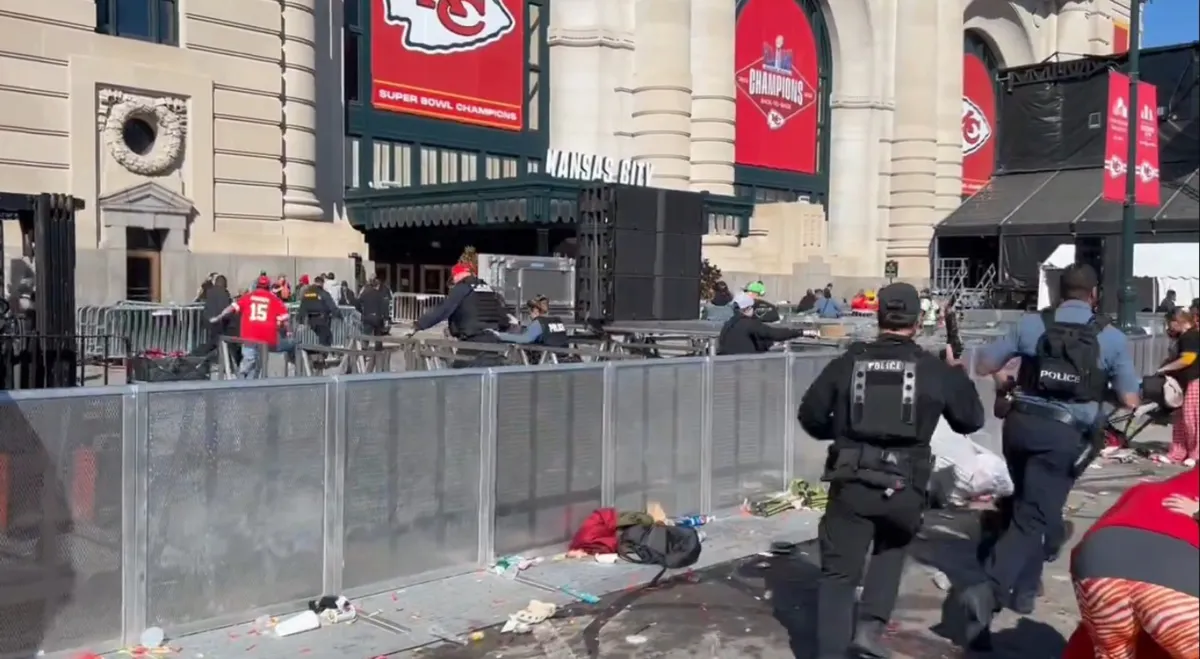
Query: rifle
column 953, row 338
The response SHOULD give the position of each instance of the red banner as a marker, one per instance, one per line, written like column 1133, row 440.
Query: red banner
column 1147, row 181
column 1116, row 137
column 1120, row 38
column 459, row 60
column 777, row 71
column 978, row 120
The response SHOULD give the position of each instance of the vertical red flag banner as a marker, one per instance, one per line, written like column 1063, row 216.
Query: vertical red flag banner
column 457, row 60
column 1116, row 137
column 776, row 66
column 978, row 120
column 1147, row 166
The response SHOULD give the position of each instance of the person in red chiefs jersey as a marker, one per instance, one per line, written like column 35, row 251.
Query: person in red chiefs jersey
column 263, row 316
column 1137, row 575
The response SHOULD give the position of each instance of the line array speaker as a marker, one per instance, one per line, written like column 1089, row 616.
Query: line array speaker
column 638, row 254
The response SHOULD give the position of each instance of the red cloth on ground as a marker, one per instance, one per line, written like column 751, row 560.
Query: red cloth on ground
column 598, row 533
column 1141, row 507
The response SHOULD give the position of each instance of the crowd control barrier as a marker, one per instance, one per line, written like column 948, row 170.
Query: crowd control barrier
column 194, row 505
column 169, row 328
column 408, row 307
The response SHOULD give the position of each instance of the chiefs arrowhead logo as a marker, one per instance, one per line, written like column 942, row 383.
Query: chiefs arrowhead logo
column 438, row 27
column 976, row 129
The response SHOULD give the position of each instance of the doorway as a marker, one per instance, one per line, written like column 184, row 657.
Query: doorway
column 143, row 264
column 433, row 279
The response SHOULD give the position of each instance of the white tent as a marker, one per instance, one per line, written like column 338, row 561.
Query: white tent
column 1175, row 266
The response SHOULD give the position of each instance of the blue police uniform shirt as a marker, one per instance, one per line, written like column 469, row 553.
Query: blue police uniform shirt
column 1115, row 356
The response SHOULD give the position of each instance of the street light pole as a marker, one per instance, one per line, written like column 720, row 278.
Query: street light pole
column 1127, row 316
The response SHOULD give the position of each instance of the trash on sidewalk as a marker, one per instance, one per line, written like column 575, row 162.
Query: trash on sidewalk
column 333, row 609
column 523, row 621
column 152, row 637
column 305, row 621
column 799, row 496
column 586, row 598
column 511, row 566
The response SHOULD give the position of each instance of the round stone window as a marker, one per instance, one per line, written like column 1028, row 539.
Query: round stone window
column 139, row 134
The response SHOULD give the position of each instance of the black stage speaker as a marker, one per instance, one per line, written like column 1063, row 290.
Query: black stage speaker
column 639, row 254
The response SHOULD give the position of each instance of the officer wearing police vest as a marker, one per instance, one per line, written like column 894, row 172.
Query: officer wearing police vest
column 1053, row 429
column 472, row 310
column 317, row 311
column 879, row 403
column 543, row 329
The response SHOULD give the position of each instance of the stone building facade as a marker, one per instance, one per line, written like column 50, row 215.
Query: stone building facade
column 207, row 137
column 655, row 80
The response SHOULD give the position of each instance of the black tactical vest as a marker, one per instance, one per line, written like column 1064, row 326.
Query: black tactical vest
column 481, row 310
column 311, row 303
column 1066, row 363
column 883, row 395
column 554, row 332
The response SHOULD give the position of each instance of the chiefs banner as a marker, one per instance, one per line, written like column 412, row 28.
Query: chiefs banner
column 1147, row 181
column 978, row 118
column 776, row 70
column 460, row 60
column 1116, row 142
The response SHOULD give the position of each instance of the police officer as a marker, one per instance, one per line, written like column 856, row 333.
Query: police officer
column 746, row 333
column 471, row 309
column 879, row 403
column 544, row 329
column 1069, row 357
column 317, row 311
column 374, row 303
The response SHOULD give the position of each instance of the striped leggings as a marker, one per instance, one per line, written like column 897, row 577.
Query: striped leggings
column 1116, row 612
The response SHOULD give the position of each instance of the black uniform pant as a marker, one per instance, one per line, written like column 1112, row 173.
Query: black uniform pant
column 467, row 358
column 1041, row 454
column 321, row 327
column 859, row 517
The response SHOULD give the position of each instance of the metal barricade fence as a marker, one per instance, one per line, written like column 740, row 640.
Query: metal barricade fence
column 180, row 328
column 407, row 307
column 192, row 506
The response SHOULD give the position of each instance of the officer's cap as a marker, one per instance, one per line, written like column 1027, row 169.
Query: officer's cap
column 899, row 304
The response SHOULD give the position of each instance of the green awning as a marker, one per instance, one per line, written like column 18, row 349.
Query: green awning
column 536, row 199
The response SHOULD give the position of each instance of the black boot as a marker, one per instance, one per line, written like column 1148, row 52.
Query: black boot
column 868, row 641
column 978, row 604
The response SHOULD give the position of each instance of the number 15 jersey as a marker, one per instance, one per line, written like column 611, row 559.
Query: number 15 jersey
column 261, row 312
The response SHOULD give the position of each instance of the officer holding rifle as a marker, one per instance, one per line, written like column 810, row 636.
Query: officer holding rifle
column 879, row 404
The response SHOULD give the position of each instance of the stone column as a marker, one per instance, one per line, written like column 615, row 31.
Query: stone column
column 1073, row 30
column 662, row 93
column 949, row 110
column 576, row 103
column 914, row 145
column 713, row 95
column 299, row 112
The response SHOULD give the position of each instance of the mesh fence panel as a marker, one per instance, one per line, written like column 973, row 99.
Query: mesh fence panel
column 549, row 426
column 235, row 500
column 748, row 413
column 809, row 455
column 60, row 523
column 658, row 414
column 412, row 476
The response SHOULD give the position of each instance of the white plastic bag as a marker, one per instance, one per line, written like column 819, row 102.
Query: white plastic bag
column 964, row 470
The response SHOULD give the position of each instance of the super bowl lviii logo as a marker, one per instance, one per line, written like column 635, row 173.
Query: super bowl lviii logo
column 775, row 86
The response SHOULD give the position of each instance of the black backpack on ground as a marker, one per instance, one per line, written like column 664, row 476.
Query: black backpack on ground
column 670, row 547
column 1066, row 365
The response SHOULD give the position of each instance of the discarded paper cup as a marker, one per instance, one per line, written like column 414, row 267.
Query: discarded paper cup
column 305, row 621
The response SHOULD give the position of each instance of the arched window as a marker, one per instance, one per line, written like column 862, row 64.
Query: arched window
column 981, row 112
column 773, row 30
column 145, row 20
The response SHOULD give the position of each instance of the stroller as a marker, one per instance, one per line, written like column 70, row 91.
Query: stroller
column 1162, row 395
